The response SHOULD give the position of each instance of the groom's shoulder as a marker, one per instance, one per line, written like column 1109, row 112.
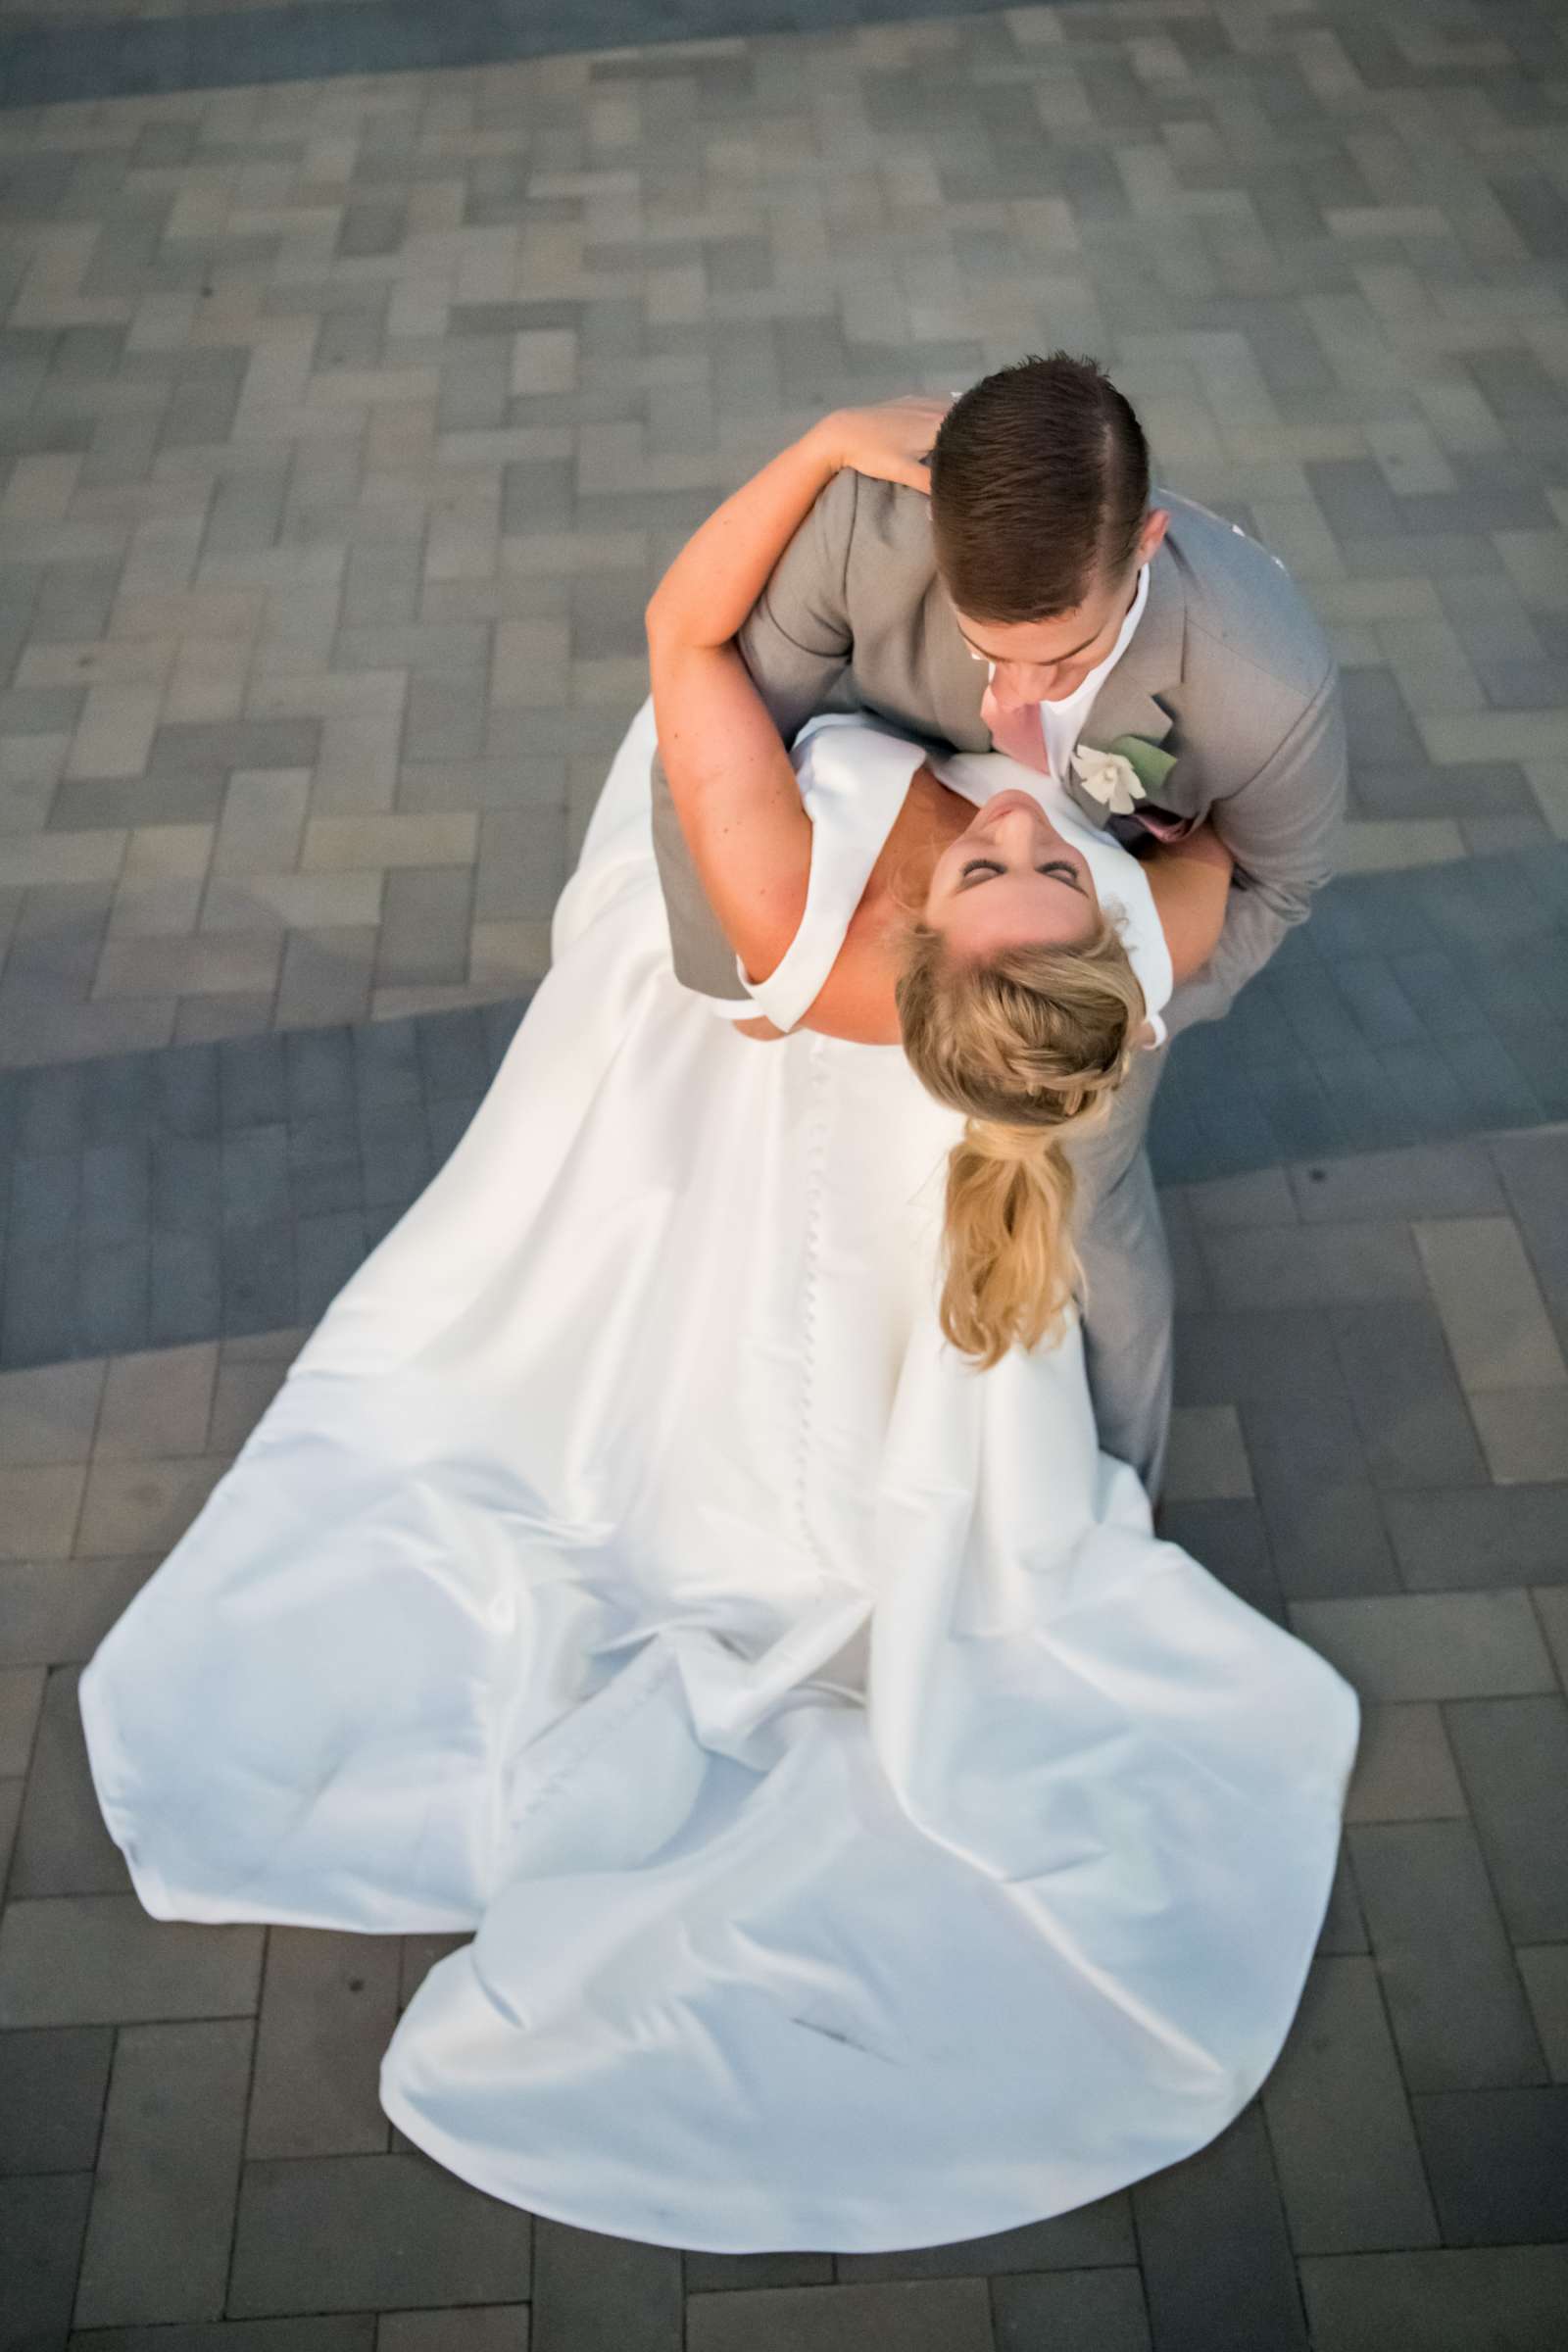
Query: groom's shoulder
column 1241, row 605
column 884, row 524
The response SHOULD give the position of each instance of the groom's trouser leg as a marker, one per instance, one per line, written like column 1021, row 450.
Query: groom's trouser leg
column 1127, row 1271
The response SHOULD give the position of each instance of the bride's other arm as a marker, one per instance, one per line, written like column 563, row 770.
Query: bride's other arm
column 1190, row 881
column 730, row 776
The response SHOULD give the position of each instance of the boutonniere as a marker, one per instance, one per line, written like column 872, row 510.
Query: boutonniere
column 1126, row 772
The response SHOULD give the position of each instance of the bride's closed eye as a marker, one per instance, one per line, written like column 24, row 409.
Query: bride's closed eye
column 1058, row 867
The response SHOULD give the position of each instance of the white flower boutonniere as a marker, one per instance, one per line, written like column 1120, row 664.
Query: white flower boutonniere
column 1121, row 776
column 1107, row 778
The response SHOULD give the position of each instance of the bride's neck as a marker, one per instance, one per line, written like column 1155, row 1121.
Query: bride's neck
column 932, row 816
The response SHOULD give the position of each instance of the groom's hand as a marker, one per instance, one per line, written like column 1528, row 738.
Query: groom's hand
column 892, row 441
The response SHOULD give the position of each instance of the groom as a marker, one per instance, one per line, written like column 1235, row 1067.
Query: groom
column 995, row 616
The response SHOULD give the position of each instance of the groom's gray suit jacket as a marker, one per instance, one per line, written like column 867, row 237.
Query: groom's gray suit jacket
column 1227, row 669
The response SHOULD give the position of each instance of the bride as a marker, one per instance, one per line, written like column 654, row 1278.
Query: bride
column 684, row 1559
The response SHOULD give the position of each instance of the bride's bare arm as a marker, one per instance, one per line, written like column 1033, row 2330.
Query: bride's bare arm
column 730, row 776
column 1190, row 881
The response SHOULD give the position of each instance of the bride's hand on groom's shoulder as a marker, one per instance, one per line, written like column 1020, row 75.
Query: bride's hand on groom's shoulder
column 891, row 440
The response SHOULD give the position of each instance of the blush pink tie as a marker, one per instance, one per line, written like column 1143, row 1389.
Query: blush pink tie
column 1017, row 732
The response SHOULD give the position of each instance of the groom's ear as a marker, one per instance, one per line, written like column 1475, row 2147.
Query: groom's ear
column 1156, row 524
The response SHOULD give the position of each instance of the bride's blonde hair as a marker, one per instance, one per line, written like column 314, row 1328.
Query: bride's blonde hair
column 1030, row 1046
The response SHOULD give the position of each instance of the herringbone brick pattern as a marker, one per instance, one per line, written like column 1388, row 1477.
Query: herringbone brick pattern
column 345, row 427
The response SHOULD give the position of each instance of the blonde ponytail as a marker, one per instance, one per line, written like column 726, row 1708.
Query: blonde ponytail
column 1030, row 1046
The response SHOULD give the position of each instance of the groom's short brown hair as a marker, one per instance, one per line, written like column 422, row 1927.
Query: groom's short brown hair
column 1038, row 487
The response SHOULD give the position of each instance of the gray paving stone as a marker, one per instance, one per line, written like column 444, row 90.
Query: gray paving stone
column 1092, row 2234
column 252, row 1085
column 395, row 1152
column 51, row 2087
column 1524, row 1434
column 255, row 1176
column 326, row 976
column 1258, row 1198
column 446, row 718
column 939, row 2315
column 733, row 2274
column 1432, row 1180
column 1535, row 1170
column 40, row 1321
column 1404, row 1769
column 369, row 2232
column 498, row 2327
column 347, row 2331
column 48, row 1415
column 1491, row 1307
column 57, row 1611
column 185, row 1288
column 41, row 2225
column 324, row 1171
column 451, row 1053
column 1454, row 1999
column 162, row 2207
column 1311, row 1265
column 328, row 1249
column 607, row 2294
column 1282, row 1358
column 1430, row 1644
column 1325, row 1528
column 9, row 1814
column 1409, row 1404
column 186, row 1184
column 157, row 1405
column 329, row 2006
column 79, row 1960
column 258, row 1275
column 1217, row 2268
column 1545, row 1970
column 1498, row 2164
column 386, row 1067
column 21, row 1698
column 1104, row 2309
column 425, row 926
column 319, row 1072
column 114, row 1192
column 1512, row 2299
column 1513, row 1759
column 1339, row 2121
column 62, row 1844
column 1448, row 1540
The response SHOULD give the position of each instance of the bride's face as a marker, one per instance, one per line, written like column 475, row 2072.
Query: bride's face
column 1011, row 880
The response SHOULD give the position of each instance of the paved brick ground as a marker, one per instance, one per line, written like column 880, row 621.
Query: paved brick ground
column 346, row 426
column 343, row 428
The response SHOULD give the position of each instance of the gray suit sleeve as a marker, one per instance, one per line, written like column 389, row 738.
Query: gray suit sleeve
column 1283, row 829
column 796, row 644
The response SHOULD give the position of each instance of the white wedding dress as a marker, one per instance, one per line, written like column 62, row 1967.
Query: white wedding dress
column 873, row 1836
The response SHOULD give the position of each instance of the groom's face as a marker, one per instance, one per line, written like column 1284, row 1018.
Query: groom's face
column 1046, row 661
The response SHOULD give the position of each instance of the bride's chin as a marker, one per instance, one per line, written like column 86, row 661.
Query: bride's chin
column 1001, row 803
